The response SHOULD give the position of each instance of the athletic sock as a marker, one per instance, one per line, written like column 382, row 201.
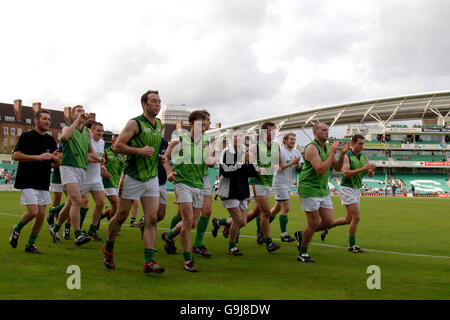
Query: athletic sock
column 271, row 219
column 19, row 226
column 258, row 224
column 67, row 226
column 77, row 233
column 232, row 245
column 174, row 221
column 83, row 212
column 58, row 208
column 223, row 222
column 109, row 246
column 187, row 255
column 201, row 228
column 303, row 250
column 92, row 228
column 148, row 253
column 170, row 235
column 56, row 228
column 283, row 223
column 352, row 240
column 268, row 241
column 32, row 239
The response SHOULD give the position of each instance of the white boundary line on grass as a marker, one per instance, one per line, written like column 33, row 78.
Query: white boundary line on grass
column 312, row 243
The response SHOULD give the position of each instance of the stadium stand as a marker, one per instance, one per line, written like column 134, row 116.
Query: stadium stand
column 425, row 182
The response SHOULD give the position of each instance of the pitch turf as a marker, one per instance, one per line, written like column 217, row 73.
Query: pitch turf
column 411, row 226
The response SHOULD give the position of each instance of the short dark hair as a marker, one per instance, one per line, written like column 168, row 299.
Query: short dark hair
column 37, row 115
column 356, row 137
column 195, row 115
column 77, row 106
column 267, row 124
column 89, row 123
column 96, row 124
column 145, row 95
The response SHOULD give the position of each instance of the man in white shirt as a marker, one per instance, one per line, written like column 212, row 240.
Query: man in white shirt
column 290, row 161
column 93, row 182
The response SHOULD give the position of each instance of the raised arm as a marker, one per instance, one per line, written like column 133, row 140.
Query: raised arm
column 67, row 131
column 313, row 157
column 337, row 163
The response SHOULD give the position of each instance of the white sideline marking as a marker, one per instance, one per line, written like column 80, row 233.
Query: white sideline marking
column 312, row 243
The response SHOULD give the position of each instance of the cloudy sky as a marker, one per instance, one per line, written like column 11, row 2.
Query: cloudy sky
column 240, row 59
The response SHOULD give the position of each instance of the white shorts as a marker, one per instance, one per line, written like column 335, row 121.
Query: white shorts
column 206, row 186
column 260, row 190
column 184, row 193
column 163, row 194
column 313, row 204
column 56, row 187
column 349, row 195
column 72, row 175
column 133, row 189
column 86, row 187
column 281, row 194
column 234, row 203
column 33, row 196
column 110, row 192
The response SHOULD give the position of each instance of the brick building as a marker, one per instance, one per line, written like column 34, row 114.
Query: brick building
column 16, row 118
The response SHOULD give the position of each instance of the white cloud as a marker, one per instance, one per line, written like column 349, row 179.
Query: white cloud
column 239, row 59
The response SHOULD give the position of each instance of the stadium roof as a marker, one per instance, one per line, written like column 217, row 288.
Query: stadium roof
column 413, row 107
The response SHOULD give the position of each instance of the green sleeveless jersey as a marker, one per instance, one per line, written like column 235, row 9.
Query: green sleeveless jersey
column 266, row 157
column 355, row 163
column 56, row 176
column 75, row 149
column 139, row 167
column 311, row 184
column 114, row 165
column 189, row 163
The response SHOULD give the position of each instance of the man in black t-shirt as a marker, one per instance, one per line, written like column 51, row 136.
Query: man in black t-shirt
column 36, row 152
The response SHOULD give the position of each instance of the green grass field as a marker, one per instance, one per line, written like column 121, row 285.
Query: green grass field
column 412, row 226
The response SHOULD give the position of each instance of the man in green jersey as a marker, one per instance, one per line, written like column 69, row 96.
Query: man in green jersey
column 266, row 154
column 313, row 186
column 198, row 247
column 140, row 141
column 77, row 148
column 355, row 165
column 111, row 176
column 189, row 152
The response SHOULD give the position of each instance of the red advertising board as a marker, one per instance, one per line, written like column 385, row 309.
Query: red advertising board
column 437, row 163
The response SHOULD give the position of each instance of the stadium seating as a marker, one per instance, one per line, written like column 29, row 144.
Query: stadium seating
column 376, row 183
column 425, row 182
column 420, row 157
